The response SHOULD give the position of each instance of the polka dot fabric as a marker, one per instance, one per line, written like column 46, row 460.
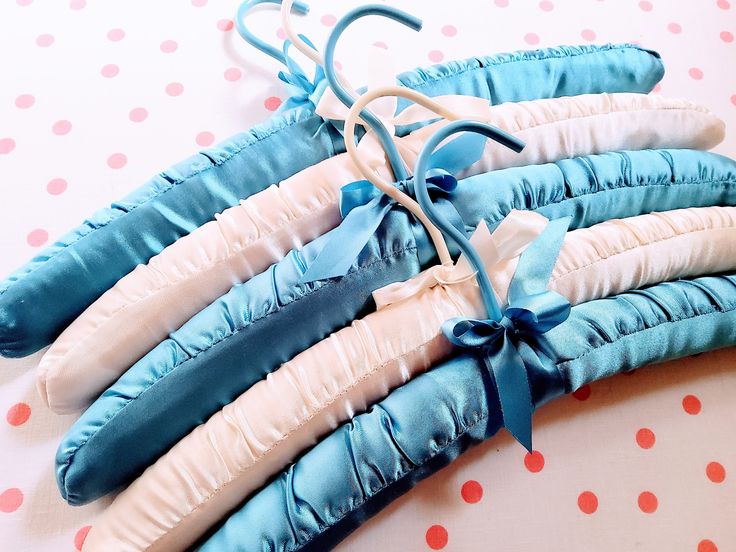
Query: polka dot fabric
column 101, row 95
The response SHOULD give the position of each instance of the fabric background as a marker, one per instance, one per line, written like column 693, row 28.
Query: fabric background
column 97, row 95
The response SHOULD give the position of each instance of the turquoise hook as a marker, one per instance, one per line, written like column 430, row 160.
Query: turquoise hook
column 253, row 40
column 406, row 19
column 420, row 190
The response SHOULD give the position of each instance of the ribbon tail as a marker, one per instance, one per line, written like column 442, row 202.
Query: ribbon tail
column 514, row 392
column 346, row 242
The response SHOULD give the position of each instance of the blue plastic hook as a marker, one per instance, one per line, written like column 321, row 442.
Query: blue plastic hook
column 253, row 40
column 406, row 19
column 420, row 190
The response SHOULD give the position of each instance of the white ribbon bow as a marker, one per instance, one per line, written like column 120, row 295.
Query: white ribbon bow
column 507, row 242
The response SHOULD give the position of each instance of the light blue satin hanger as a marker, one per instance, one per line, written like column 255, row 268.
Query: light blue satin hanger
column 298, row 6
column 422, row 195
column 406, row 19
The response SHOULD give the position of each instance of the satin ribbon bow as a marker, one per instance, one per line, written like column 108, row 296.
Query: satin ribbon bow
column 302, row 90
column 531, row 310
column 363, row 207
column 514, row 234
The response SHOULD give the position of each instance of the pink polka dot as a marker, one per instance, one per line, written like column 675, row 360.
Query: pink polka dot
column 691, row 404
column 225, row 25
column 436, row 56
column 534, row 461
column 138, row 114
column 588, row 34
column 531, row 38
column 168, row 46
column 117, row 161
column 657, row 89
column 588, row 502
column 44, row 40
column 272, row 103
column 645, row 438
column 501, row 3
column 674, row 28
column 724, row 4
column 174, row 89
column 381, row 45
column 205, row 139
column 18, row 414
column 726, row 36
column 707, row 545
column 77, row 4
column 24, row 2
column 648, row 502
column 24, row 101
column 115, row 35
column 232, row 74
column 695, row 73
column 6, row 145
column 546, row 5
column 280, row 33
column 328, row 20
column 199, row 3
column 10, row 500
column 110, row 70
column 646, row 5
column 61, row 128
column 582, row 394
column 472, row 492
column 449, row 30
column 81, row 536
column 56, row 186
column 37, row 237
column 715, row 472
column 436, row 537
column 733, row 99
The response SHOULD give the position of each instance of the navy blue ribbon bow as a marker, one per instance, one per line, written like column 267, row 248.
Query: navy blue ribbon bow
column 363, row 206
column 531, row 310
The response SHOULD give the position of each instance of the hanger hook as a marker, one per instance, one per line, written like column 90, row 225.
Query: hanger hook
column 420, row 190
column 296, row 40
column 298, row 6
column 406, row 19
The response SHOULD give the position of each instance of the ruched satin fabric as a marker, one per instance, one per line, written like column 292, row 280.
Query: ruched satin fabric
column 155, row 299
column 266, row 321
column 41, row 298
column 257, row 435
column 383, row 453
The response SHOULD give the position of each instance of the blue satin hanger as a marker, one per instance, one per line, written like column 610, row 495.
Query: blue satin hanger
column 406, row 19
column 422, row 195
column 298, row 6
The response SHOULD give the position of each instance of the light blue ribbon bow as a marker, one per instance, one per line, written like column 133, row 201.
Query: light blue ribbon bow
column 363, row 206
column 532, row 310
column 302, row 90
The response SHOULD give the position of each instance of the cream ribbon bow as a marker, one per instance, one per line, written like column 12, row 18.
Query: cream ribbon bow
column 507, row 242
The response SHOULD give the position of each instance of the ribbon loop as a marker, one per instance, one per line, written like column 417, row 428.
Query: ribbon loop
column 302, row 90
column 532, row 310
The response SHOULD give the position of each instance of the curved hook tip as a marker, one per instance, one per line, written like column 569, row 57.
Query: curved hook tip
column 301, row 8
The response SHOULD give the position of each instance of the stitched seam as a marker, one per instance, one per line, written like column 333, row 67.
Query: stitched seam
column 327, row 285
column 318, row 412
column 637, row 246
column 258, row 140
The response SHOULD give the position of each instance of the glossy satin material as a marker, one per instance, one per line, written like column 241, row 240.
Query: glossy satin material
column 40, row 299
column 381, row 454
column 265, row 322
column 242, row 446
column 155, row 299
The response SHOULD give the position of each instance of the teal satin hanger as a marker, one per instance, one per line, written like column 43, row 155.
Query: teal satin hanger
column 253, row 40
column 422, row 195
column 408, row 20
column 531, row 308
